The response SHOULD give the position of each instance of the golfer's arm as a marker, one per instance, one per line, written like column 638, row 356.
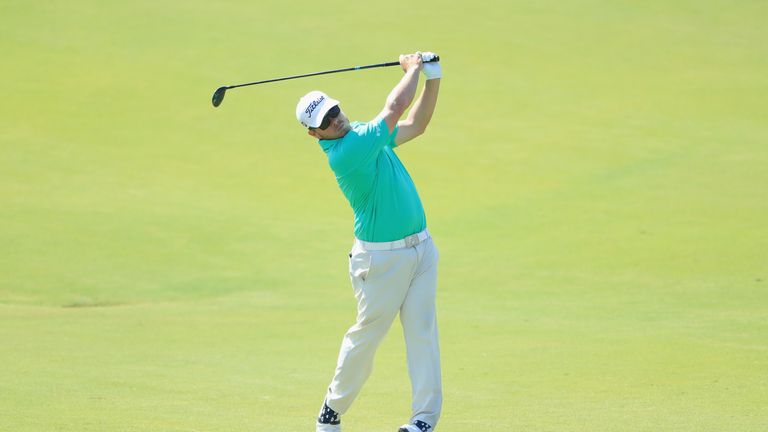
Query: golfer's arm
column 420, row 115
column 400, row 98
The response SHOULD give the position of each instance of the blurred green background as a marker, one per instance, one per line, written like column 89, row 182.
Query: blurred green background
column 594, row 176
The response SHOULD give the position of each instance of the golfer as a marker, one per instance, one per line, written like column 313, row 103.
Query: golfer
column 393, row 262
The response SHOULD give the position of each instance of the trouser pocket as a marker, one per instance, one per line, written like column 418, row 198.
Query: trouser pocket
column 360, row 265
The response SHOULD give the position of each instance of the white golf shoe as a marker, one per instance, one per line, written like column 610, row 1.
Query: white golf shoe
column 325, row 427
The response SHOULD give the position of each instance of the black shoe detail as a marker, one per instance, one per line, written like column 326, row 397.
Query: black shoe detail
column 328, row 416
column 423, row 427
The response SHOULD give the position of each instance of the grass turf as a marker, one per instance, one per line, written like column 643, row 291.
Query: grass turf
column 594, row 177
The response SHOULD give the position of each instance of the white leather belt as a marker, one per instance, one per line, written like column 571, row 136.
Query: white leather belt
column 410, row 241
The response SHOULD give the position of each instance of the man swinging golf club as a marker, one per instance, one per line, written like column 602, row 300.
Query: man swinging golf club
column 393, row 262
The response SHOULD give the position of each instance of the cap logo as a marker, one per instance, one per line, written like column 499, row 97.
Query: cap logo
column 311, row 108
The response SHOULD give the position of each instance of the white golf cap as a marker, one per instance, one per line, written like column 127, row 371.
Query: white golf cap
column 312, row 108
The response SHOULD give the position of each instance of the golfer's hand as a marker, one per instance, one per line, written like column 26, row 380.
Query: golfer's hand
column 431, row 70
column 411, row 61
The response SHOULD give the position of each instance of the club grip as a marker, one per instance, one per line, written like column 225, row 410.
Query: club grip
column 435, row 59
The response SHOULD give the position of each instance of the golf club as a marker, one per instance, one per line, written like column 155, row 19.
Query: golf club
column 218, row 95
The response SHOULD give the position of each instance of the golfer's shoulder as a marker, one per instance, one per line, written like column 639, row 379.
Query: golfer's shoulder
column 372, row 130
column 358, row 131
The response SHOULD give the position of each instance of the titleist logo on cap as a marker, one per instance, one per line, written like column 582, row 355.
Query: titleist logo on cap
column 311, row 108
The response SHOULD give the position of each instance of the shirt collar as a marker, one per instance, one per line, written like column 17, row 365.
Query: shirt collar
column 328, row 144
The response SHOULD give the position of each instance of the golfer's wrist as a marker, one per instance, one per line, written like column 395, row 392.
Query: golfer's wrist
column 431, row 83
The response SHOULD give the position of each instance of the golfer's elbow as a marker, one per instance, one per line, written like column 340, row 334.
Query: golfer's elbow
column 410, row 129
column 418, row 129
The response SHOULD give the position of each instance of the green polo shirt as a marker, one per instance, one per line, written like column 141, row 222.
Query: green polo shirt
column 375, row 182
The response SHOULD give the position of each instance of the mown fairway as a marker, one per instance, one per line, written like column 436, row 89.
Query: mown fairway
column 596, row 178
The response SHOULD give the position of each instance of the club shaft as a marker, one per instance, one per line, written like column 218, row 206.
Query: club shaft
column 354, row 68
column 315, row 74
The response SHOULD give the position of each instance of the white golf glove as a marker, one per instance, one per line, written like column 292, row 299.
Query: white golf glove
column 431, row 70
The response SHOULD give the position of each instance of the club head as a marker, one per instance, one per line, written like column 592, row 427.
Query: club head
column 218, row 96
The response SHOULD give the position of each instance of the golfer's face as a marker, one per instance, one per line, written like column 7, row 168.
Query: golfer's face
column 338, row 126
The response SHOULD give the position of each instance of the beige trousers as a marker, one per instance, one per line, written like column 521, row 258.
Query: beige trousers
column 386, row 282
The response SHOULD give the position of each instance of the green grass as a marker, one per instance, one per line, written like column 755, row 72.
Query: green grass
column 595, row 178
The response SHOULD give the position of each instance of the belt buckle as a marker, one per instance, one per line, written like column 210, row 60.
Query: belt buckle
column 412, row 240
